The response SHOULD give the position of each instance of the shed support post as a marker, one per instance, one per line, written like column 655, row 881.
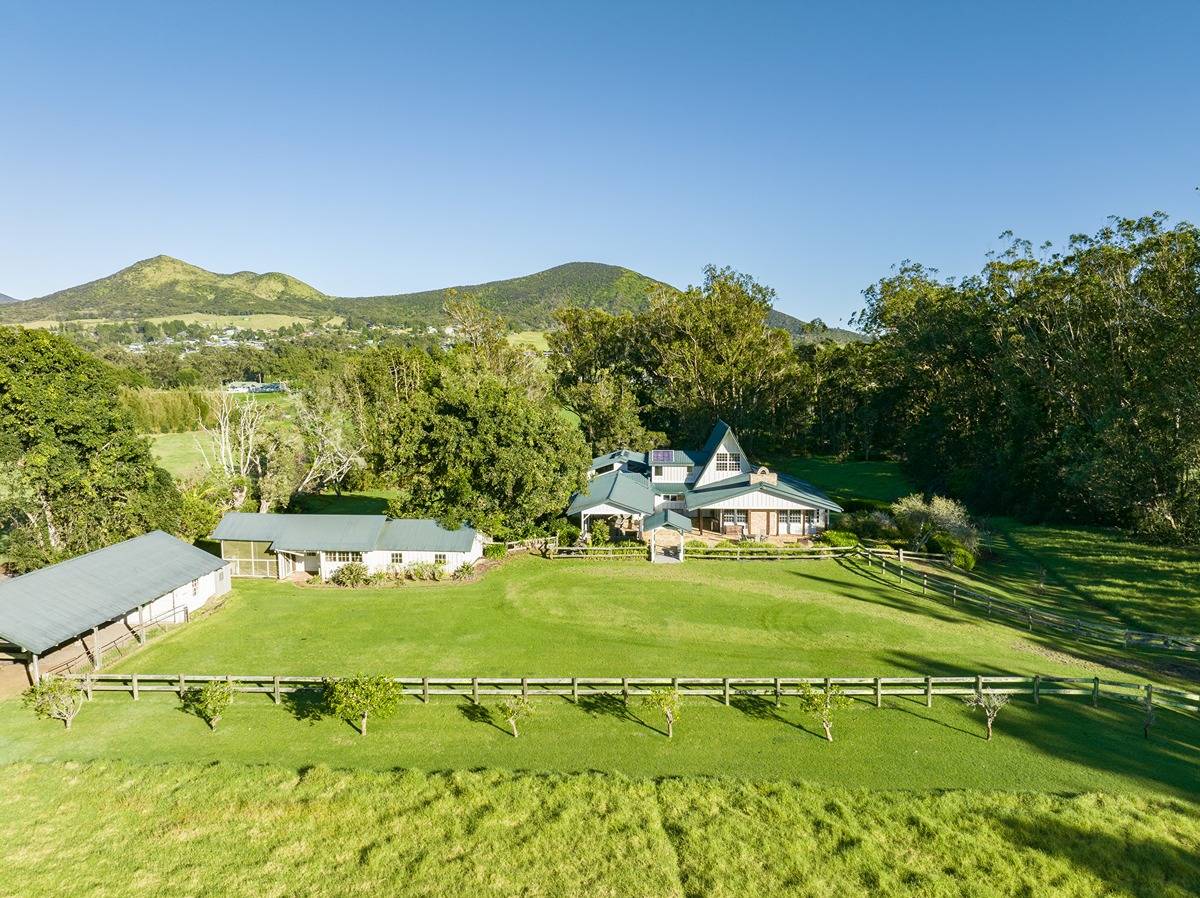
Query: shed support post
column 35, row 673
column 141, row 633
column 97, row 659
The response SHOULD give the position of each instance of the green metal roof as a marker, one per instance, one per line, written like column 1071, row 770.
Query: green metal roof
column 630, row 492
column 740, row 485
column 343, row 533
column 665, row 517
column 50, row 606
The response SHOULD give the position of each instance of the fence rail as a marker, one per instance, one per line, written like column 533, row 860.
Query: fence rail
column 1029, row 615
column 727, row 689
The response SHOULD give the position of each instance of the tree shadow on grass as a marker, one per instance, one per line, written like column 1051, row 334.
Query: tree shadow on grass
column 603, row 704
column 763, row 709
column 1128, row 865
column 930, row 719
column 480, row 714
column 306, row 704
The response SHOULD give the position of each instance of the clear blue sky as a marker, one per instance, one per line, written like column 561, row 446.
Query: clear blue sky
column 375, row 149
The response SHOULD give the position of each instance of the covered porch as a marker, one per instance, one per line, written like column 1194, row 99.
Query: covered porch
column 666, row 521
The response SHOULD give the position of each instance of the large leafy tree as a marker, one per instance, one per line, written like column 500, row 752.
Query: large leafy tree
column 74, row 474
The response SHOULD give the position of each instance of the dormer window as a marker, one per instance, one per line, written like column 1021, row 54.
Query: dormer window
column 729, row 461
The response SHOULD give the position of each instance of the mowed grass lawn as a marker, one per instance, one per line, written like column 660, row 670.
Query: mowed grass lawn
column 562, row 618
column 179, row 453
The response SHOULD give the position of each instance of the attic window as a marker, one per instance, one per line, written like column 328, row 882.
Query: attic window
column 729, row 461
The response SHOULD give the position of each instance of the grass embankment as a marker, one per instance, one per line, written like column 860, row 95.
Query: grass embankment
column 126, row 830
column 563, row 618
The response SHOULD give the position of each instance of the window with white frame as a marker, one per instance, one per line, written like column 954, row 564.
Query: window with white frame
column 734, row 516
column 658, row 470
column 729, row 461
column 439, row 558
column 397, row 558
column 338, row 557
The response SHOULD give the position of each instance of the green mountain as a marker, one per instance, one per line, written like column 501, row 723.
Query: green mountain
column 163, row 286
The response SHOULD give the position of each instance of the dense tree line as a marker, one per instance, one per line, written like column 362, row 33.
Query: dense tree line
column 1057, row 384
column 74, row 473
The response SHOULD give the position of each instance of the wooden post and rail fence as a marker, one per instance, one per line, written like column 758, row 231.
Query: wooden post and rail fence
column 725, row 689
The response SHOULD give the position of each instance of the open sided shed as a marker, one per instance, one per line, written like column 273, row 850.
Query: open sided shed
column 150, row 579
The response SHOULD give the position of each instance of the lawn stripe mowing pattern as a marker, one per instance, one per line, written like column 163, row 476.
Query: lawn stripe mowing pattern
column 113, row 829
column 535, row 616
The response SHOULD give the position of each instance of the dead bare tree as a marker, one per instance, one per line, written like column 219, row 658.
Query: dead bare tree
column 235, row 443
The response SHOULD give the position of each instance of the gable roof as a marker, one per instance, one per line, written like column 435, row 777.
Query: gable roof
column 740, row 485
column 665, row 517
column 50, row 606
column 624, row 490
column 343, row 533
column 719, row 432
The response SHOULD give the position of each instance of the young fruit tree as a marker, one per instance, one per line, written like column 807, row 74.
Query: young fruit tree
column 356, row 698
column 990, row 703
column 210, row 701
column 667, row 702
column 55, row 698
column 823, row 704
column 515, row 709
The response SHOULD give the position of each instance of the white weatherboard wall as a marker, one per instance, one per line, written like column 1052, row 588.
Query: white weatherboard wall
column 711, row 475
column 189, row 596
column 382, row 560
column 758, row 501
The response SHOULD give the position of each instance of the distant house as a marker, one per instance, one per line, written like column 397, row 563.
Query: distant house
column 251, row 386
column 280, row 545
column 87, row 603
column 715, row 489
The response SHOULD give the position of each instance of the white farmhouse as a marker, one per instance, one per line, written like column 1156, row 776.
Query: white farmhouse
column 281, row 545
column 715, row 488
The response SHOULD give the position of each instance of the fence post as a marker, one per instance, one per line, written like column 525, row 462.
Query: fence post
column 778, row 693
column 725, row 685
column 133, row 683
column 275, row 689
column 425, row 690
column 1149, row 697
column 625, row 689
column 1029, row 615
column 989, row 607
column 1095, row 692
column 978, row 684
column 182, row 686
column 924, row 583
column 475, row 690
column 1037, row 689
column 956, row 594
column 929, row 692
column 575, row 690
column 87, row 686
column 878, row 693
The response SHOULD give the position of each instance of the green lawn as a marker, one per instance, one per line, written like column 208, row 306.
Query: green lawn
column 179, row 453
column 563, row 618
column 530, row 339
column 116, row 830
column 874, row 482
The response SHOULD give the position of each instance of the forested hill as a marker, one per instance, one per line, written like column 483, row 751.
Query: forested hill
column 4, row 297
column 164, row 286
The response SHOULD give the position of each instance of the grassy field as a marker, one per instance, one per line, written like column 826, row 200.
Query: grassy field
column 178, row 452
column 876, row 482
column 531, row 339
column 228, row 830
column 563, row 618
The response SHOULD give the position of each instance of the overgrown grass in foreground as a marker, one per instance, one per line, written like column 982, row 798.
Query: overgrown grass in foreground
column 114, row 829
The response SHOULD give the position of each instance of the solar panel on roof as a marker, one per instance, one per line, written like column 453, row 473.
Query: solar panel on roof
column 662, row 456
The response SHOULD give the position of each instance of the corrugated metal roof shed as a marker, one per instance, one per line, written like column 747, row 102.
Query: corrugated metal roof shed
column 48, row 607
column 343, row 533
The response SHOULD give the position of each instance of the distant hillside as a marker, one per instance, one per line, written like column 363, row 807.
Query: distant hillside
column 528, row 302
column 4, row 297
column 815, row 331
column 162, row 286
